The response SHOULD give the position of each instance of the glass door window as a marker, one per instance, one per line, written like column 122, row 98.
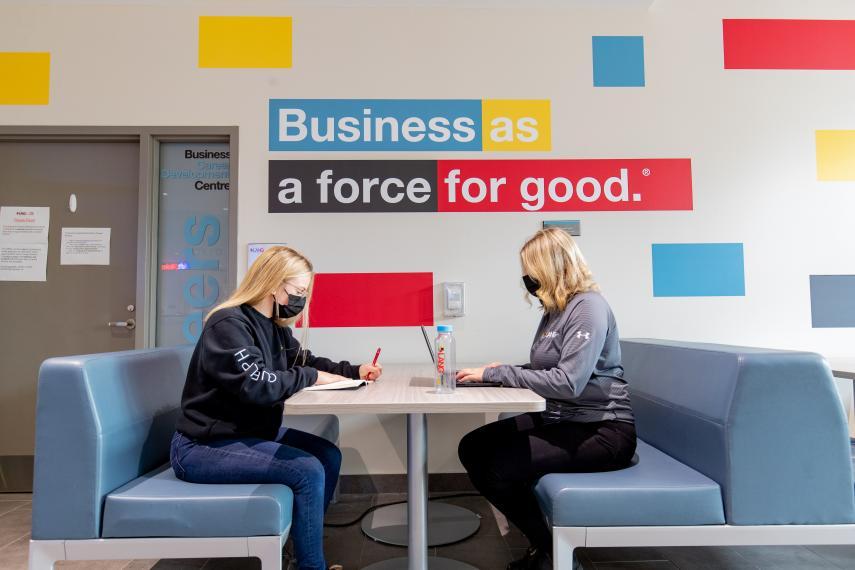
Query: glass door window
column 193, row 238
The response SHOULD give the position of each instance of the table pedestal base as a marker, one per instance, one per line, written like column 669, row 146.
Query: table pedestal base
column 434, row 563
column 446, row 524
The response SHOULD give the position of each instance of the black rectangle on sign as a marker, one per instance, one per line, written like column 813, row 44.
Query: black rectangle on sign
column 302, row 186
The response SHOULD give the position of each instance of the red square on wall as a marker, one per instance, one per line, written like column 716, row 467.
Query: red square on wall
column 372, row 300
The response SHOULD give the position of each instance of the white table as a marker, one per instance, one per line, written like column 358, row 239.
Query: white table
column 842, row 366
column 409, row 389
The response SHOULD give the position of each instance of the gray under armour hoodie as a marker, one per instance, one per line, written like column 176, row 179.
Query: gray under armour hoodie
column 575, row 364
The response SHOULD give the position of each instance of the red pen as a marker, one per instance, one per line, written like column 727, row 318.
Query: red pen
column 376, row 356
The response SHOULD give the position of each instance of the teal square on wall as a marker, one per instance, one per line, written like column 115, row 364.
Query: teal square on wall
column 618, row 61
column 698, row 270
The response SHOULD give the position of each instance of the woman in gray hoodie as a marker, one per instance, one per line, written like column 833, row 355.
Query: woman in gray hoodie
column 575, row 365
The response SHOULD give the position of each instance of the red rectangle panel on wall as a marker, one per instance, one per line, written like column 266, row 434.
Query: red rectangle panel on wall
column 789, row 44
column 612, row 184
column 372, row 300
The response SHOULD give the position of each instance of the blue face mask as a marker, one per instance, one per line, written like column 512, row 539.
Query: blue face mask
column 531, row 285
column 295, row 305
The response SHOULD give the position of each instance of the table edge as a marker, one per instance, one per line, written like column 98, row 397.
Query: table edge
column 431, row 408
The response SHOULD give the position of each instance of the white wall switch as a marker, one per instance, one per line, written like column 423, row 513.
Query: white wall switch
column 452, row 299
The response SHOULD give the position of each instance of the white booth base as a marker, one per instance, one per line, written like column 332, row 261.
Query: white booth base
column 566, row 539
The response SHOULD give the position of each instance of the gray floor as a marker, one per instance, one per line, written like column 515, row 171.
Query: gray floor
column 487, row 550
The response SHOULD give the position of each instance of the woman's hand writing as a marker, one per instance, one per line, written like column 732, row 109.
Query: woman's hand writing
column 370, row 372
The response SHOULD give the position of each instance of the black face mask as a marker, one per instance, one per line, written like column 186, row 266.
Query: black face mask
column 531, row 285
column 293, row 308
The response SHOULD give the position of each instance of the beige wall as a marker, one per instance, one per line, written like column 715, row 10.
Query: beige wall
column 750, row 136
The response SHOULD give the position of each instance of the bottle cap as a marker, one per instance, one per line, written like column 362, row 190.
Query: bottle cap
column 444, row 328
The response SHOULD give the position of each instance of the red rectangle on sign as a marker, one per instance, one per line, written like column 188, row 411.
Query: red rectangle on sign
column 372, row 300
column 564, row 185
column 789, row 44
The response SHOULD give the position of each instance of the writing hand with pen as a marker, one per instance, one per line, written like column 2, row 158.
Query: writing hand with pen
column 371, row 371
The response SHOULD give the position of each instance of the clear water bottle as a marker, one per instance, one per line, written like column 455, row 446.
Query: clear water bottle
column 446, row 363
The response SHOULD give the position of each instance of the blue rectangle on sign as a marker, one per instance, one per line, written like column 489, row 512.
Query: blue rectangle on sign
column 832, row 301
column 375, row 124
column 698, row 270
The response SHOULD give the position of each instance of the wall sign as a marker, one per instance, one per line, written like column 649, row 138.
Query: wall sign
column 409, row 124
column 301, row 186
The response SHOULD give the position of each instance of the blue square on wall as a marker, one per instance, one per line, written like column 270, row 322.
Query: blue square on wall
column 618, row 61
column 698, row 270
column 832, row 301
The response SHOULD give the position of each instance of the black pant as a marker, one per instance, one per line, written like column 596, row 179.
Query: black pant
column 505, row 459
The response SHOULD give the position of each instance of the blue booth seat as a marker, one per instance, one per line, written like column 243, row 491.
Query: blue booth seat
column 766, row 425
column 103, row 487
column 160, row 504
column 736, row 446
column 323, row 425
column 656, row 490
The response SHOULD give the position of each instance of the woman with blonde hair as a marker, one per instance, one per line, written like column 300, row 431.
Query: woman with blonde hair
column 245, row 365
column 575, row 364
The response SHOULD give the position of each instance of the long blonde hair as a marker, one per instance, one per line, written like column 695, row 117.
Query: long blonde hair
column 275, row 265
column 553, row 259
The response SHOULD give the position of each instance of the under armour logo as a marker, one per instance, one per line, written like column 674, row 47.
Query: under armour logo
column 585, row 335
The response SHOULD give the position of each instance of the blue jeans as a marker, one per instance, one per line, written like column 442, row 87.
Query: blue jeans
column 306, row 463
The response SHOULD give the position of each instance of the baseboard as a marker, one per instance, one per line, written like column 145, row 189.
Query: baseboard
column 16, row 473
column 397, row 483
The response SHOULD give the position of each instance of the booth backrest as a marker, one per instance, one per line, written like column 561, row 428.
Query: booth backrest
column 101, row 421
column 766, row 425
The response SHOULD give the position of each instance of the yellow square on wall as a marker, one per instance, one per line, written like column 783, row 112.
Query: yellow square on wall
column 24, row 78
column 516, row 124
column 244, row 41
column 835, row 155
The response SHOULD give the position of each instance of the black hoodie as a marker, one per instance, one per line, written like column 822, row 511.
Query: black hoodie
column 243, row 369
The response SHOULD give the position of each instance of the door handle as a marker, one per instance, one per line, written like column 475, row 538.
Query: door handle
column 130, row 324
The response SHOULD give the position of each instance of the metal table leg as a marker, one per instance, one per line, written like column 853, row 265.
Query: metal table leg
column 417, row 558
column 446, row 524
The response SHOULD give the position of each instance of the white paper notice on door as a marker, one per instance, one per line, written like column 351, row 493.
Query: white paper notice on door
column 24, row 243
column 24, row 224
column 85, row 246
column 23, row 262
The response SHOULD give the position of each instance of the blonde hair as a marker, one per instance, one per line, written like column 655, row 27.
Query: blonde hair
column 553, row 259
column 274, row 266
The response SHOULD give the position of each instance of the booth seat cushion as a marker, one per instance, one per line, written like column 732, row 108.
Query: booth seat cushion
column 656, row 491
column 159, row 504
column 323, row 425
